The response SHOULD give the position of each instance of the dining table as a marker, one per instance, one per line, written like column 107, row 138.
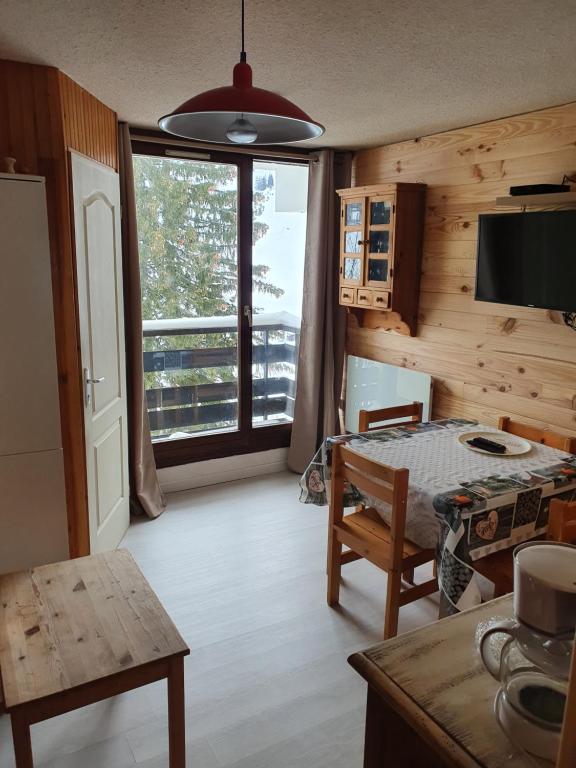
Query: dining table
column 464, row 503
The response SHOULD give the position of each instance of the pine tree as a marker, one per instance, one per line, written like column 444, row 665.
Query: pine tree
column 187, row 235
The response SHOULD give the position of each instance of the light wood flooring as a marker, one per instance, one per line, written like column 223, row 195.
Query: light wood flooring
column 241, row 569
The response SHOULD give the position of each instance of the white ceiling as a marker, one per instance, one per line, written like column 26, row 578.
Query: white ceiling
column 372, row 71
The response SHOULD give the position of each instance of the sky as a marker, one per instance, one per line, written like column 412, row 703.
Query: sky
column 282, row 248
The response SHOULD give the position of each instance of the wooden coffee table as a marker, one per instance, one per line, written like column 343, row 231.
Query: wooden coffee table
column 76, row 632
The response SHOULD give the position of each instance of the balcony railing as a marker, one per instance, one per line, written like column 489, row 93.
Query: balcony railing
column 178, row 408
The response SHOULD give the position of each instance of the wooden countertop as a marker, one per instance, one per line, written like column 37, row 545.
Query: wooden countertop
column 434, row 678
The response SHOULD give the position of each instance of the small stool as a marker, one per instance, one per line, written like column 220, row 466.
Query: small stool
column 80, row 631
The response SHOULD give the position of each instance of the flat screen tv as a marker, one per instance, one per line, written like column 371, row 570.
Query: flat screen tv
column 528, row 259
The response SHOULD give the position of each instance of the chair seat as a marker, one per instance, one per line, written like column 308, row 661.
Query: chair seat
column 366, row 533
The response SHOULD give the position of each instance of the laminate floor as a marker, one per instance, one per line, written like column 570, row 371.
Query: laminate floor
column 241, row 569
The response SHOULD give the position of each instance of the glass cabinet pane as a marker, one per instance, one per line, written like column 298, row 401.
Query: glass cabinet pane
column 352, row 269
column 379, row 241
column 353, row 214
column 378, row 270
column 352, row 242
column 380, row 212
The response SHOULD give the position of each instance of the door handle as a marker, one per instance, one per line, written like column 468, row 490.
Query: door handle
column 88, row 383
column 248, row 314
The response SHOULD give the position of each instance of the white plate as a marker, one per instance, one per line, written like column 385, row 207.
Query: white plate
column 515, row 446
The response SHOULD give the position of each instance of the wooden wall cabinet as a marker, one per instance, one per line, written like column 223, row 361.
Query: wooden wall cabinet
column 381, row 254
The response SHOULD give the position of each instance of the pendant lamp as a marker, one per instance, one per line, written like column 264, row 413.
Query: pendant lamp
column 241, row 114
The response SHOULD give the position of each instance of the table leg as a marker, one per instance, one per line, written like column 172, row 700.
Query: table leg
column 176, row 727
column 22, row 741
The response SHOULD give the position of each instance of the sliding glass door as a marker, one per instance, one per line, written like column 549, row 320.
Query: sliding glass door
column 280, row 195
column 222, row 256
column 187, row 213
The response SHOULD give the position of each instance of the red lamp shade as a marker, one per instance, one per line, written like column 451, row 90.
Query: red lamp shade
column 241, row 114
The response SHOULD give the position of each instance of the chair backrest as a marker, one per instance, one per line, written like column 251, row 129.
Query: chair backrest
column 537, row 435
column 374, row 479
column 562, row 521
column 411, row 413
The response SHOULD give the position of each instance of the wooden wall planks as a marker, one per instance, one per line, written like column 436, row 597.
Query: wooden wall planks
column 89, row 126
column 42, row 114
column 486, row 359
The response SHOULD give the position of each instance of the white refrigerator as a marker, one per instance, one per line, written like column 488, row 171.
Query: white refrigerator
column 33, row 520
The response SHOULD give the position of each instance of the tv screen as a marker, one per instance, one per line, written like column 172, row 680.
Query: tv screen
column 528, row 259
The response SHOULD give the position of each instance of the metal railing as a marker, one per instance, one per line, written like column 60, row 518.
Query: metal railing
column 192, row 386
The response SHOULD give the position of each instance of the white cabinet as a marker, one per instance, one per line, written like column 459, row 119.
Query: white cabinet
column 32, row 510
column 33, row 525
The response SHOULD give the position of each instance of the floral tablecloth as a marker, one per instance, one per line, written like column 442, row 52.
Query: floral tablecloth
column 463, row 503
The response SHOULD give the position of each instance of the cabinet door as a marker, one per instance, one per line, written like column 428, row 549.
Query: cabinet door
column 29, row 406
column 352, row 241
column 379, row 258
column 33, row 517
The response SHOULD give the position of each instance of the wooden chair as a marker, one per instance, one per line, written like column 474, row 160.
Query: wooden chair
column 412, row 414
column 562, row 521
column 544, row 436
column 499, row 569
column 368, row 536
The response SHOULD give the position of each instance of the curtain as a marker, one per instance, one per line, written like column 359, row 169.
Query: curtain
column 322, row 333
column 145, row 494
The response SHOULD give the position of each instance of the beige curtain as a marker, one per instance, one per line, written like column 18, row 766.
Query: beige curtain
column 321, row 356
column 145, row 494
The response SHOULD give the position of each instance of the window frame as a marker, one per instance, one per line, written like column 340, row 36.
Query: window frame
column 246, row 438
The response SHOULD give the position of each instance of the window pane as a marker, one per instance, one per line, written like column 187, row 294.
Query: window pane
column 352, row 242
column 353, row 214
column 279, row 238
column 380, row 212
column 378, row 270
column 379, row 241
column 187, row 233
column 352, row 269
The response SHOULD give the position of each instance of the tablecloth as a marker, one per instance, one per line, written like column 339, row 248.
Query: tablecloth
column 464, row 504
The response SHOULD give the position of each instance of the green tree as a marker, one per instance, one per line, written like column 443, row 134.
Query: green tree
column 187, row 232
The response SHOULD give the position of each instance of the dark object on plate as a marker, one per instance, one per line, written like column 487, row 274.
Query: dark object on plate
column 487, row 445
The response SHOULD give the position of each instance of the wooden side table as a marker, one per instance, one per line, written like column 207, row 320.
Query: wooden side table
column 430, row 700
column 76, row 632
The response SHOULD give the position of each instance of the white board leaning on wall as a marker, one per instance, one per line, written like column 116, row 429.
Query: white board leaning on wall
column 371, row 385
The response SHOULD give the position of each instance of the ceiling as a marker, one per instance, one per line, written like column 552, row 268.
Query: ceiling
column 372, row 71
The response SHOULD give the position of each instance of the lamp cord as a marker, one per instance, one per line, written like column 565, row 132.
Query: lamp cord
column 243, row 52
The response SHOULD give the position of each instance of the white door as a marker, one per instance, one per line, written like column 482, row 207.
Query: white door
column 96, row 193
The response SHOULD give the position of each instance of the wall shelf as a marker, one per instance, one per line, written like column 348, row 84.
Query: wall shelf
column 563, row 199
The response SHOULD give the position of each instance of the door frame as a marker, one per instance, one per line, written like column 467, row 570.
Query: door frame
column 246, row 439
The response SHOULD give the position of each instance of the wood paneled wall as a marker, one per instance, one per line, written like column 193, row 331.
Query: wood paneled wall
column 486, row 359
column 89, row 126
column 43, row 114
